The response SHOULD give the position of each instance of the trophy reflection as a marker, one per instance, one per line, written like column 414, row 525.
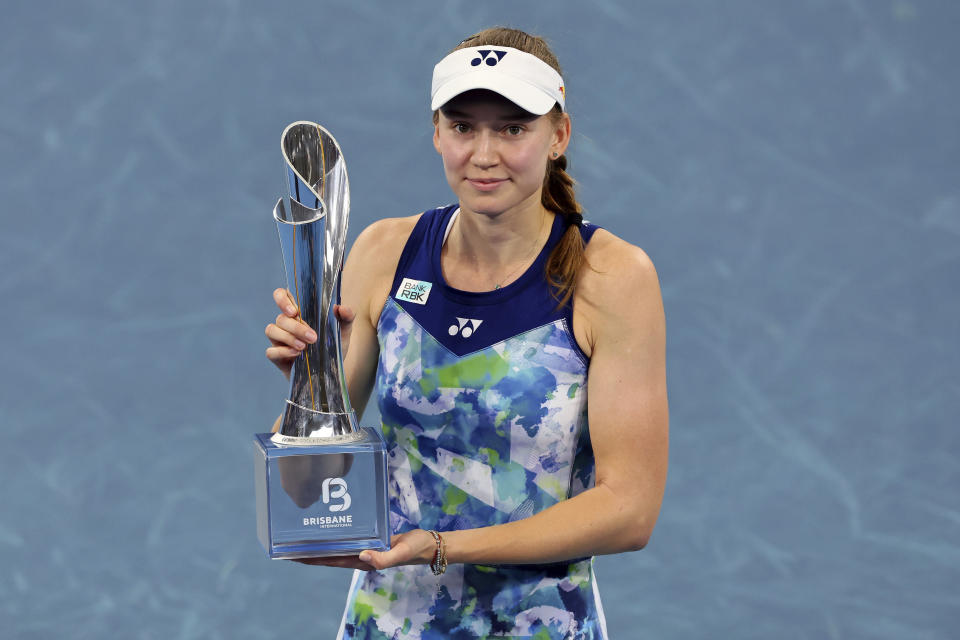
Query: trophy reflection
column 321, row 479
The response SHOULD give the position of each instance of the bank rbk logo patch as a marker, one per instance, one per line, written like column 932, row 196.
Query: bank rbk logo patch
column 415, row 291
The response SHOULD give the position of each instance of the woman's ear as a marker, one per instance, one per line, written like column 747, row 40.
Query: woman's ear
column 561, row 136
column 436, row 138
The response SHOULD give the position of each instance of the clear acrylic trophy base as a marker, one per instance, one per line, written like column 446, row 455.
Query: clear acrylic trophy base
column 324, row 499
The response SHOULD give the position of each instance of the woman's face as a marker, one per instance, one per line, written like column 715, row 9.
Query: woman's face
column 495, row 153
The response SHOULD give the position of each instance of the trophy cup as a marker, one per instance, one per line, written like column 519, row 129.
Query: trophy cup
column 321, row 484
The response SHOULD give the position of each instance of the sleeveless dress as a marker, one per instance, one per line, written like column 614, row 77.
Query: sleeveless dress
column 483, row 403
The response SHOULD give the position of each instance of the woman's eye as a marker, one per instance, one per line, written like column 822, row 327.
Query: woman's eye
column 514, row 130
column 461, row 127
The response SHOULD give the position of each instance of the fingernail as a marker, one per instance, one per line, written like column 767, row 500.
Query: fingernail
column 311, row 336
column 291, row 310
column 298, row 345
column 365, row 556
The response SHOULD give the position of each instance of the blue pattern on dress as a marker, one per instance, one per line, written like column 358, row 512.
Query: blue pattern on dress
column 486, row 438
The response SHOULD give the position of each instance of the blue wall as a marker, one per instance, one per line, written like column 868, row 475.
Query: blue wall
column 791, row 168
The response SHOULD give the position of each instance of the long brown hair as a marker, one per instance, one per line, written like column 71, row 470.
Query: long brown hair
column 558, row 195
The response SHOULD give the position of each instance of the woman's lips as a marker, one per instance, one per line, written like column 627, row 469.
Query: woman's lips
column 486, row 184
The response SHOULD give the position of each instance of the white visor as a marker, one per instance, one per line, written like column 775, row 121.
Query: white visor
column 520, row 77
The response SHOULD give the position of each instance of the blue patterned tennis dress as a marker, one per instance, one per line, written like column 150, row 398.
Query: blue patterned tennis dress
column 484, row 408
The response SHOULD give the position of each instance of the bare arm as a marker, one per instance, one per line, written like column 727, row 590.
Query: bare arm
column 620, row 316
column 367, row 276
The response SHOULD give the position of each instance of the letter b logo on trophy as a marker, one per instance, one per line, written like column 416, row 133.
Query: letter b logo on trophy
column 303, row 472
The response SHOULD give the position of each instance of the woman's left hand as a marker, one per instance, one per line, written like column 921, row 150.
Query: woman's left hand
column 412, row 547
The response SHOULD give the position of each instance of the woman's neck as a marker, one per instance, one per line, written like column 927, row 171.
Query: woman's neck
column 485, row 252
column 497, row 240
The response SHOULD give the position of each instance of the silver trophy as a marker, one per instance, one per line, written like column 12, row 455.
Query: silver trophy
column 312, row 237
column 321, row 479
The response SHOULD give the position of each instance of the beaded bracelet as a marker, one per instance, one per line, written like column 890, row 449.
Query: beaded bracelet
column 439, row 564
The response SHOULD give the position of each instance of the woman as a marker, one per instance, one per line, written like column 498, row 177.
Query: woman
column 483, row 328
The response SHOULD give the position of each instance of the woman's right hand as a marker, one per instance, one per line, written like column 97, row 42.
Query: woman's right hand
column 288, row 334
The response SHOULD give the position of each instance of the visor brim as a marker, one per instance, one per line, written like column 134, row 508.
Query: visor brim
column 523, row 94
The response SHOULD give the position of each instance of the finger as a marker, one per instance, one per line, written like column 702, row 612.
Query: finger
column 344, row 313
column 280, row 338
column 285, row 301
column 281, row 354
column 384, row 559
column 374, row 558
column 297, row 328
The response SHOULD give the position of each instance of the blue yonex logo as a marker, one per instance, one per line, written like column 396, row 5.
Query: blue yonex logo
column 486, row 57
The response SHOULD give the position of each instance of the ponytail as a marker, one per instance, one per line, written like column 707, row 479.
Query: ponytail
column 568, row 256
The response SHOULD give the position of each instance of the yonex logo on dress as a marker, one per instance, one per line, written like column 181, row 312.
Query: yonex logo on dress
column 339, row 492
column 465, row 327
column 486, row 57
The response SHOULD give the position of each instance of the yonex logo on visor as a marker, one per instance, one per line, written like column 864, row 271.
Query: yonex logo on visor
column 485, row 55
column 518, row 76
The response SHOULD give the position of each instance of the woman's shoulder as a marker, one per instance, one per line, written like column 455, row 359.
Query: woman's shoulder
column 377, row 249
column 382, row 241
column 614, row 264
column 617, row 291
column 386, row 232
column 372, row 261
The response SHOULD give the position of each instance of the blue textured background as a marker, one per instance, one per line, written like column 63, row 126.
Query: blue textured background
column 791, row 167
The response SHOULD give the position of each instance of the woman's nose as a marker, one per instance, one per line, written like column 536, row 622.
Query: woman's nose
column 485, row 149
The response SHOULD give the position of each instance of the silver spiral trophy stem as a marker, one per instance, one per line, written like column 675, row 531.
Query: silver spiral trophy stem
column 313, row 230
